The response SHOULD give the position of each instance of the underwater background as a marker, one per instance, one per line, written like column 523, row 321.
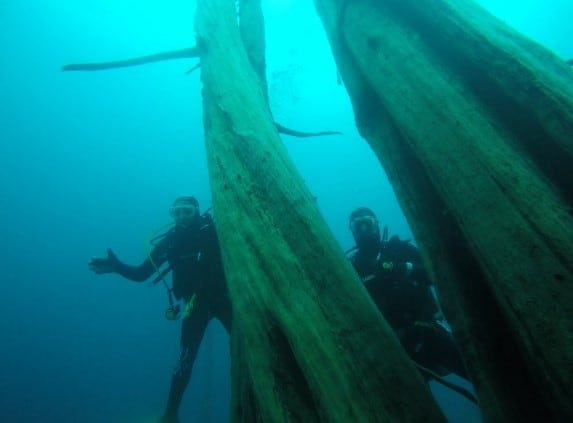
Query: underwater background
column 94, row 160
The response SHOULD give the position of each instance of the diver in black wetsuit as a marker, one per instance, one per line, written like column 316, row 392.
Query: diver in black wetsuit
column 392, row 272
column 191, row 249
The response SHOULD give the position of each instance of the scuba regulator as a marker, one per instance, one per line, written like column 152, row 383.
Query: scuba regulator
column 172, row 313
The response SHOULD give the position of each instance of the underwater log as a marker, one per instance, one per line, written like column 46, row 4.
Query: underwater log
column 473, row 124
column 307, row 343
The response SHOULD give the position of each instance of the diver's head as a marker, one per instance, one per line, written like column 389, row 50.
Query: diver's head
column 184, row 210
column 364, row 227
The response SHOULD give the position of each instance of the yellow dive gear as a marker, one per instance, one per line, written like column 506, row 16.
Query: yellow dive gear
column 189, row 306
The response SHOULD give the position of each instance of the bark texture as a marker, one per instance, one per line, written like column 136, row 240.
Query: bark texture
column 308, row 344
column 474, row 126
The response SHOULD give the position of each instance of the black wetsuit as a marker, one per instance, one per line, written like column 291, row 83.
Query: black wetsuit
column 195, row 260
column 394, row 276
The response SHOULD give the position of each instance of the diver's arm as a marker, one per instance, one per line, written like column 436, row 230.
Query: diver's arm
column 134, row 273
column 111, row 264
column 148, row 267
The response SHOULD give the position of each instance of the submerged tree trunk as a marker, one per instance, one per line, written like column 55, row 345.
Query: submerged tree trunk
column 474, row 126
column 308, row 345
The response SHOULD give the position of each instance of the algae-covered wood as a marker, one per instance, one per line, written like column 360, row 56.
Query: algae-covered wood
column 474, row 126
column 308, row 344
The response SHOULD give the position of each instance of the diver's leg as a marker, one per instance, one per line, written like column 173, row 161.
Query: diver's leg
column 444, row 350
column 452, row 356
column 192, row 330
column 224, row 313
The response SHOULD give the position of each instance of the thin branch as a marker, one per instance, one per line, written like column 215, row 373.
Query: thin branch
column 194, row 68
column 168, row 55
column 299, row 134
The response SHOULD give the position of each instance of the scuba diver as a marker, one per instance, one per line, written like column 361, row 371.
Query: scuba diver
column 393, row 274
column 191, row 250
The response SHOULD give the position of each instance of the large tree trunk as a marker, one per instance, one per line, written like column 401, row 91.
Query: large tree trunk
column 474, row 126
column 308, row 345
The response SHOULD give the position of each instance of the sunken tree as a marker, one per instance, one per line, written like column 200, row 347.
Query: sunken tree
column 307, row 343
column 473, row 124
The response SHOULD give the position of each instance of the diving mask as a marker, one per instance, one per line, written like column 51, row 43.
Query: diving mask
column 182, row 211
column 364, row 225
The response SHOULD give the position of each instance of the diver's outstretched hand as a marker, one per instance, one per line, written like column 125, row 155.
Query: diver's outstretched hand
column 101, row 265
